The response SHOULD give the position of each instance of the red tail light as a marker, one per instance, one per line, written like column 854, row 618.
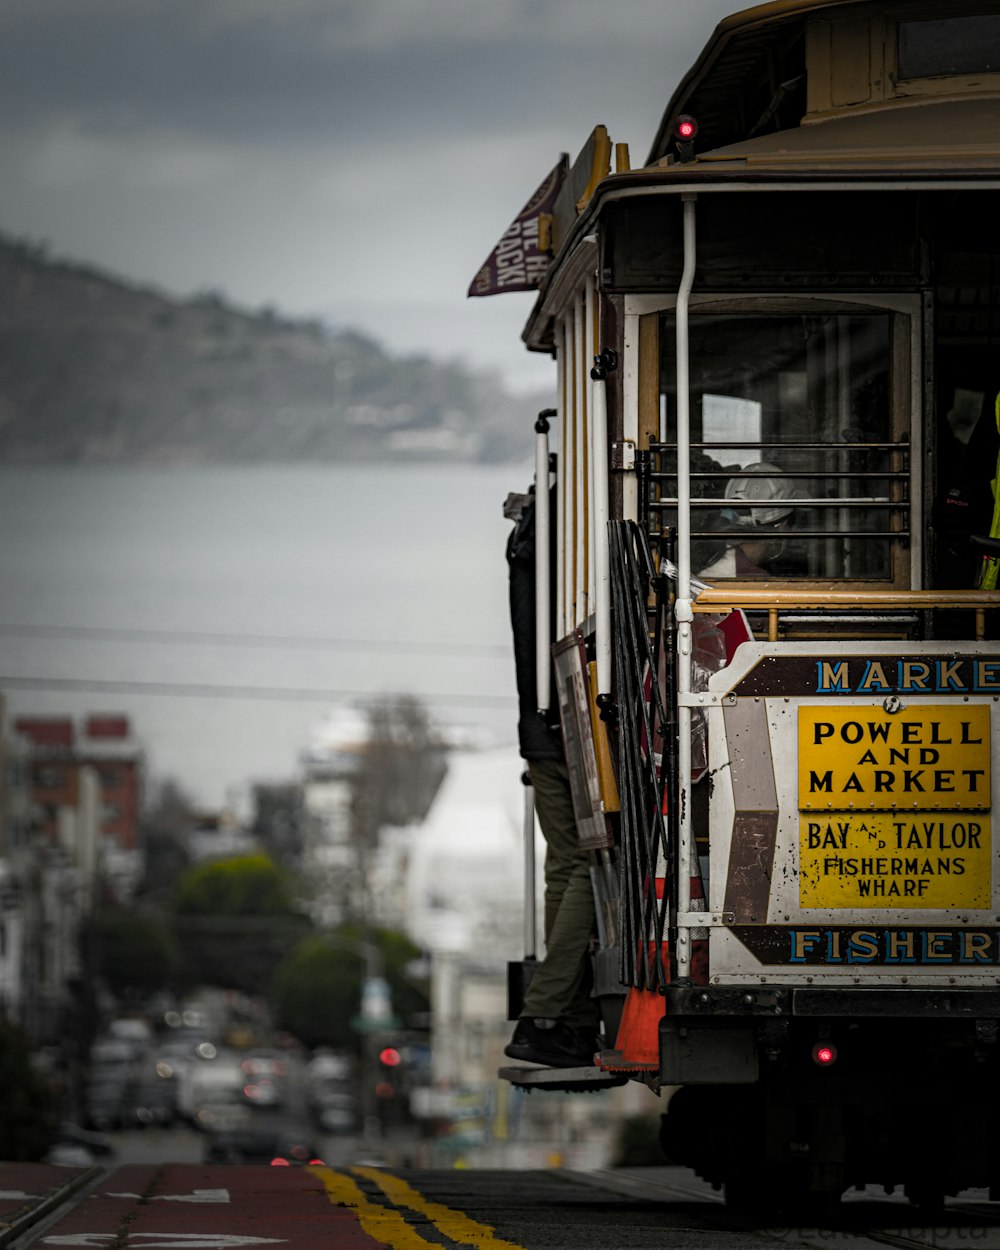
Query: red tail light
column 824, row 1054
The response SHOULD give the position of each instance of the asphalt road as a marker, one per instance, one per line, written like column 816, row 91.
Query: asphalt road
column 187, row 1206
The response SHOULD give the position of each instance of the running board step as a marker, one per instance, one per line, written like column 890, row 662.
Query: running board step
column 581, row 1080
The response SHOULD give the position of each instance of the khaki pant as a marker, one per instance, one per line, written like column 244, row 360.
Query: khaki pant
column 560, row 986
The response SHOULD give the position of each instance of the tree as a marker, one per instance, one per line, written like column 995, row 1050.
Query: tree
column 235, row 919
column 316, row 989
column 402, row 767
column 395, row 781
column 247, row 885
column 135, row 951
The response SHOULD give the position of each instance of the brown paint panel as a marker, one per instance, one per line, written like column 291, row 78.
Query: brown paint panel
column 751, row 862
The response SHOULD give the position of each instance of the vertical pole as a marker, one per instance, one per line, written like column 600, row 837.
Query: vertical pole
column 591, row 484
column 682, row 605
column 530, row 922
column 562, row 483
column 599, row 452
column 543, row 573
column 580, row 358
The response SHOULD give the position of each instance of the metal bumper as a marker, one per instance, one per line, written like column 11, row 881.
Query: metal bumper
column 741, row 1003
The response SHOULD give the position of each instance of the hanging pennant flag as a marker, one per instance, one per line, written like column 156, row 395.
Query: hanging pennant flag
column 520, row 259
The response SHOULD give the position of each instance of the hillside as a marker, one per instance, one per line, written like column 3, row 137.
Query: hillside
column 93, row 369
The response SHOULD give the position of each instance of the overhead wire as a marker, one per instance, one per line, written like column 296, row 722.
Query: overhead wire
column 184, row 637
column 213, row 690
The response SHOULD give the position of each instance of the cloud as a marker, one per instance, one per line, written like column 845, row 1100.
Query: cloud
column 376, row 67
column 315, row 153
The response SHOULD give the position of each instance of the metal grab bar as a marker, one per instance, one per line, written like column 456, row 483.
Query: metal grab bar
column 799, row 501
column 772, row 599
column 779, row 445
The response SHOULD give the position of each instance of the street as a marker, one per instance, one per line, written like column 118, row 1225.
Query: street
column 192, row 1206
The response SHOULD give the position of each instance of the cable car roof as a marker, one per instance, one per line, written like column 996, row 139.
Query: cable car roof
column 955, row 134
column 755, row 55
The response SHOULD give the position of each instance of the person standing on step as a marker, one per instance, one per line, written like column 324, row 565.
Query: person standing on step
column 559, row 1020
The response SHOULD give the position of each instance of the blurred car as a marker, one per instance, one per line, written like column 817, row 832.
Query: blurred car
column 329, row 1065
column 262, row 1093
column 330, row 1088
column 210, row 1093
column 105, row 1101
column 260, row 1146
column 76, row 1147
column 224, row 1111
column 133, row 1031
column 152, row 1091
column 335, row 1110
column 260, row 1063
column 111, row 1052
column 266, row 1075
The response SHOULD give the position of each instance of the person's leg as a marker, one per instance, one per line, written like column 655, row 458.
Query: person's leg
column 560, row 986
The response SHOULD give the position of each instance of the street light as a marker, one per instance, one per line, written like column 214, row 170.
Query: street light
column 375, row 1016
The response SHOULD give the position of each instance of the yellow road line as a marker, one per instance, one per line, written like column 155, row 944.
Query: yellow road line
column 454, row 1224
column 379, row 1222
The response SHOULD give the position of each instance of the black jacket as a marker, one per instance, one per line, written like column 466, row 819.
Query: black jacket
column 538, row 738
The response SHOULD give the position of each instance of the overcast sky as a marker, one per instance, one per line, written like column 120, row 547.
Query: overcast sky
column 355, row 159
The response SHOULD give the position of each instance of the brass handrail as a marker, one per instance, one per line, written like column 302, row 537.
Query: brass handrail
column 773, row 601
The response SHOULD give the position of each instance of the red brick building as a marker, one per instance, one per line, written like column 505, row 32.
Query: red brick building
column 60, row 749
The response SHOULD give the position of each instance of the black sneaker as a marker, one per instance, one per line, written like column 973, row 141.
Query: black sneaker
column 552, row 1043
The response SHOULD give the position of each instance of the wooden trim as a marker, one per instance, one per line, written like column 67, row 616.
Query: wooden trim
column 649, row 380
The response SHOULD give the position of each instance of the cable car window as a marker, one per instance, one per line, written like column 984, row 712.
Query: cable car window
column 952, row 45
column 795, row 468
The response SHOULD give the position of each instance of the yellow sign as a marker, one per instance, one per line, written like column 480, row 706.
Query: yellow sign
column 926, row 758
column 901, row 859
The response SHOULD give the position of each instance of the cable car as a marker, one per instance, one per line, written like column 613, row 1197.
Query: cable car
column 774, row 455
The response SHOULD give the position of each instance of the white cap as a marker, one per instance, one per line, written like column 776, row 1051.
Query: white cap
column 766, row 486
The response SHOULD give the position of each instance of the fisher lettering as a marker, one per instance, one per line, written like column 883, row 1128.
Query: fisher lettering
column 916, row 946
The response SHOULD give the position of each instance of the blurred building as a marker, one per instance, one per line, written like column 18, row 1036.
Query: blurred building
column 330, row 854
column 69, row 799
column 60, row 751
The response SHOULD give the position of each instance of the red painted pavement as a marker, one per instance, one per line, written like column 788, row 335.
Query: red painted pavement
column 24, row 1185
column 192, row 1207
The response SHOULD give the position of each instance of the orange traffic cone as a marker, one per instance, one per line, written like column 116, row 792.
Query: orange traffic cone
column 637, row 1047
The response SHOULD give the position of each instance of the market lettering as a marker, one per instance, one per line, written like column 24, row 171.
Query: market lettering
column 956, row 676
column 909, row 781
